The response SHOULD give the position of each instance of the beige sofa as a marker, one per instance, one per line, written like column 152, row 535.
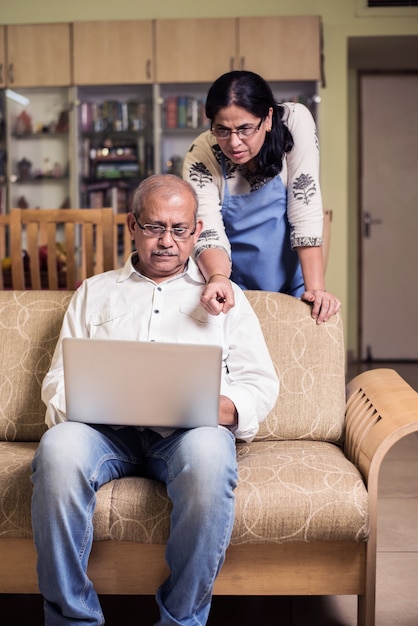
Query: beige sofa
column 307, row 495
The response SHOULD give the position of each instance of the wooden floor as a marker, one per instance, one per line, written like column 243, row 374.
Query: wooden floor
column 397, row 565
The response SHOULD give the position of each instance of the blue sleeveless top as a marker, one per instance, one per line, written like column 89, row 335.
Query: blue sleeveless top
column 259, row 233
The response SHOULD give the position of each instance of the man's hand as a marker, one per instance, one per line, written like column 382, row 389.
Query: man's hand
column 324, row 304
column 218, row 295
column 228, row 414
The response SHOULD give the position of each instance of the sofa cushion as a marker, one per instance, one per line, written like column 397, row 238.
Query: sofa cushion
column 16, row 488
column 298, row 491
column 30, row 322
column 287, row 491
column 310, row 362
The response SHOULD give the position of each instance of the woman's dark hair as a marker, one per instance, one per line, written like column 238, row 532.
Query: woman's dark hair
column 249, row 91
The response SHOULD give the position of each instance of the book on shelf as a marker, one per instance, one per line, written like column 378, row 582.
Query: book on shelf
column 113, row 115
column 96, row 199
column 116, row 194
column 2, row 200
column 120, row 199
column 184, row 112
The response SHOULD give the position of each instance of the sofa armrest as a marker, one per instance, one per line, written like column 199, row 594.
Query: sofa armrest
column 381, row 409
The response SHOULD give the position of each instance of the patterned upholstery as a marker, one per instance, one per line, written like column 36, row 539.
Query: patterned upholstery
column 29, row 327
column 310, row 363
column 295, row 483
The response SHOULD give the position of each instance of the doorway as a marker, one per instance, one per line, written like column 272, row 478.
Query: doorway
column 388, row 216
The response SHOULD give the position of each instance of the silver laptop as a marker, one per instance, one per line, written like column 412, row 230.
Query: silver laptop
column 142, row 383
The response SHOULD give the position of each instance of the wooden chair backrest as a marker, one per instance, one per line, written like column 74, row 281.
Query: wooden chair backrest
column 122, row 242
column 87, row 237
column 4, row 242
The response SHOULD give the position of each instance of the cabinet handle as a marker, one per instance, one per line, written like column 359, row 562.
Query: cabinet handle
column 148, row 68
column 11, row 73
column 231, row 64
column 242, row 63
column 1, row 72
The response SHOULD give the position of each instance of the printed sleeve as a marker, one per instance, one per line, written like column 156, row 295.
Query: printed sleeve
column 202, row 170
column 304, row 201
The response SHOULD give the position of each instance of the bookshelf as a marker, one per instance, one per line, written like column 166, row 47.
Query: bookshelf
column 90, row 146
column 181, row 117
column 38, row 149
column 3, row 156
column 115, row 143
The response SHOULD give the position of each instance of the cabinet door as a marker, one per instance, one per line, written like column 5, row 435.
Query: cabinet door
column 194, row 50
column 118, row 53
column 2, row 58
column 280, row 48
column 38, row 55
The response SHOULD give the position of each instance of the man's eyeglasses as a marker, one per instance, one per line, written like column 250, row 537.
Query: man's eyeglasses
column 178, row 233
column 243, row 132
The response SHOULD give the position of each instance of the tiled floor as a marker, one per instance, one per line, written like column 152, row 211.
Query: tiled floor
column 397, row 565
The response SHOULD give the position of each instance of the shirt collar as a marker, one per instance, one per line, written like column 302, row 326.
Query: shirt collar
column 192, row 270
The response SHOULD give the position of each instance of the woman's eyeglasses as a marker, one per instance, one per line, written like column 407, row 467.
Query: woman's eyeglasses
column 243, row 132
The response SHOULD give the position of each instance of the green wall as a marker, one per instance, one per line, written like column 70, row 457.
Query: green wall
column 342, row 19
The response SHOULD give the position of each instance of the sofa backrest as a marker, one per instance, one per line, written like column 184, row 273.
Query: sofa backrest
column 309, row 360
column 30, row 323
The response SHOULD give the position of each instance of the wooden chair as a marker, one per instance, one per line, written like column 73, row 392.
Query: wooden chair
column 86, row 236
column 122, row 243
column 4, row 242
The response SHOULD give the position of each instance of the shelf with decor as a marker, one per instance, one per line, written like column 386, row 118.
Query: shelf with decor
column 180, row 116
column 3, row 156
column 90, row 146
column 116, row 143
column 39, row 148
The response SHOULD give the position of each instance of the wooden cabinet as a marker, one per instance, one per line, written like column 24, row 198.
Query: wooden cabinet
column 113, row 53
column 280, row 48
column 2, row 57
column 141, row 85
column 194, row 50
column 38, row 55
column 200, row 50
column 181, row 51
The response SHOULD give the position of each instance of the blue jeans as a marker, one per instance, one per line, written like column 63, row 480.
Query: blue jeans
column 73, row 460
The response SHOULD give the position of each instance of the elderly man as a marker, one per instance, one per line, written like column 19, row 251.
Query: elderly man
column 197, row 465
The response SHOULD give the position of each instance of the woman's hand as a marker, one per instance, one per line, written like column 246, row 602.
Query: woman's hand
column 324, row 304
column 218, row 295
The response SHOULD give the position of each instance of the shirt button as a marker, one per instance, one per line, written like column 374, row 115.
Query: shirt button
column 156, row 311
column 159, row 289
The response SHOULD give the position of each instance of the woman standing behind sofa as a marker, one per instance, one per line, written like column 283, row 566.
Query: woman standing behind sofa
column 256, row 173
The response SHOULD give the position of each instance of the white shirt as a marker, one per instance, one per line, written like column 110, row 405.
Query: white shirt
column 122, row 304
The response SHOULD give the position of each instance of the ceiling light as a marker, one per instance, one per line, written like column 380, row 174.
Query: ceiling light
column 17, row 97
